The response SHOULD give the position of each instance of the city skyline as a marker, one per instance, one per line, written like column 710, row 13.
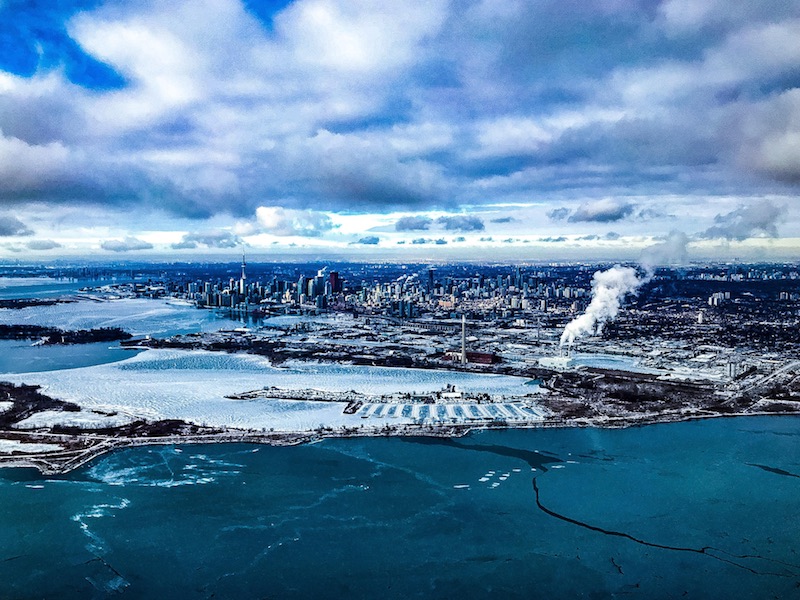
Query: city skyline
column 438, row 130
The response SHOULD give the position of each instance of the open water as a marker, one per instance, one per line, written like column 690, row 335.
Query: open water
column 704, row 509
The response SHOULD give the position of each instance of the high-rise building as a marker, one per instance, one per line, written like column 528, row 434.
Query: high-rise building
column 243, row 280
column 333, row 279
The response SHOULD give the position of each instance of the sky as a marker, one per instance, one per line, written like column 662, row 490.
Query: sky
column 476, row 130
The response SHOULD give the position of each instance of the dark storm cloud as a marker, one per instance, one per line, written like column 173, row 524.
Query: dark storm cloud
column 128, row 244
column 746, row 221
column 461, row 223
column 413, row 224
column 371, row 191
column 612, row 235
column 12, row 226
column 370, row 240
column 650, row 213
column 504, row 220
column 601, row 211
column 559, row 214
column 184, row 245
column 209, row 239
column 556, row 240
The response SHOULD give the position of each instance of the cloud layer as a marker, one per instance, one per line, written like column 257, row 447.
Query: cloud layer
column 276, row 119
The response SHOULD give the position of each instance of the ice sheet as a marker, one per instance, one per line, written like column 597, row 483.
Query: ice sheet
column 193, row 385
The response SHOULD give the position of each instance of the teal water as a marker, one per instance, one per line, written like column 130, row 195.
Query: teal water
column 704, row 509
column 137, row 316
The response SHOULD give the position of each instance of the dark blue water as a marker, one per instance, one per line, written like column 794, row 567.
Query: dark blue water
column 39, row 287
column 21, row 356
column 705, row 509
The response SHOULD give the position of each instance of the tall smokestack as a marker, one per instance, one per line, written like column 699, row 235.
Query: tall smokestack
column 463, row 339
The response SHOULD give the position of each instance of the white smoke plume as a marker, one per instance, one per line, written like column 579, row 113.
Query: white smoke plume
column 672, row 250
column 609, row 288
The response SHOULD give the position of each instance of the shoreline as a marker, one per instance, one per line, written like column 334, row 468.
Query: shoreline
column 67, row 461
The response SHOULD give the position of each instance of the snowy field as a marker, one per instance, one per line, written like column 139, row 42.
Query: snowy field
column 192, row 385
column 612, row 361
column 9, row 446
column 84, row 419
column 323, row 319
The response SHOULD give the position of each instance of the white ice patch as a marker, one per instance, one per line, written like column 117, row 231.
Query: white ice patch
column 106, row 580
column 162, row 468
column 5, row 405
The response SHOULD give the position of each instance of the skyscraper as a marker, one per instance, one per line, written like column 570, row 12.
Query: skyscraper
column 333, row 279
column 243, row 280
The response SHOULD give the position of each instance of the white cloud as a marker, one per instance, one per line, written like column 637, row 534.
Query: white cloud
column 128, row 244
column 748, row 220
column 351, row 37
column 279, row 221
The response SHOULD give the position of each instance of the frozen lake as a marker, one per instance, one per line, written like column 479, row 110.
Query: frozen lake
column 193, row 385
column 137, row 316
